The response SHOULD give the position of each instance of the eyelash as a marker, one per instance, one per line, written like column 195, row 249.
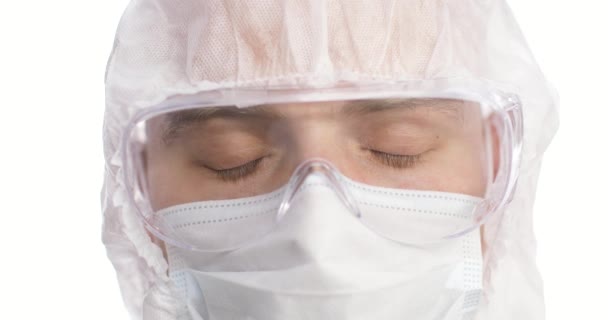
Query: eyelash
column 393, row 160
column 237, row 173
column 398, row 161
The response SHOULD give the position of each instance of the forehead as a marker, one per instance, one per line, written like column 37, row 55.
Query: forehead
column 448, row 107
column 431, row 110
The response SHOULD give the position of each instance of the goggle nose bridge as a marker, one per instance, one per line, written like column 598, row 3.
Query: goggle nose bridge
column 322, row 168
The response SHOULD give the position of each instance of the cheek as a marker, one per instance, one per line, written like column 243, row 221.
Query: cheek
column 461, row 169
column 470, row 166
column 163, row 191
column 169, row 182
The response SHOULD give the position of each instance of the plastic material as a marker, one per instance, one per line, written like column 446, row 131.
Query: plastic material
column 246, row 53
column 322, row 263
column 183, row 153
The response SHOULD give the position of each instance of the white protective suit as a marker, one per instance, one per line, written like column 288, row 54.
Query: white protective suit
column 164, row 48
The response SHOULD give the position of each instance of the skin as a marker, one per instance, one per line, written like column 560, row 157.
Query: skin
column 229, row 153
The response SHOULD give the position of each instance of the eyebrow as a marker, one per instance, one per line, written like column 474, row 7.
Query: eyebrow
column 181, row 119
column 362, row 107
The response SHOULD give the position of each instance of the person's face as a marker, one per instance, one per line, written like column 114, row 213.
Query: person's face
column 226, row 153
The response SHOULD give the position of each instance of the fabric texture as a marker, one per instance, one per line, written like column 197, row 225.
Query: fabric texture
column 164, row 48
column 305, row 268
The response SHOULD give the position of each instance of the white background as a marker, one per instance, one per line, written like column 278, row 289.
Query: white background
column 52, row 62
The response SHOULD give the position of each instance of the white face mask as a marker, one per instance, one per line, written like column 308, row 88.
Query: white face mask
column 322, row 262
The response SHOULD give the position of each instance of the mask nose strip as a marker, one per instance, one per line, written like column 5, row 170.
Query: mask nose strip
column 320, row 168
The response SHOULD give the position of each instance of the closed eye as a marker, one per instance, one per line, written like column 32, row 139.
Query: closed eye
column 399, row 161
column 237, row 173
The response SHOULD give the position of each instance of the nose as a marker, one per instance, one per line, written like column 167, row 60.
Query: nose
column 322, row 171
column 319, row 217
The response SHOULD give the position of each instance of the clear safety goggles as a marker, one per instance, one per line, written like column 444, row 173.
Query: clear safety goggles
column 214, row 148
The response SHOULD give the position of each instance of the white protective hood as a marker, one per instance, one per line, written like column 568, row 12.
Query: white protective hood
column 167, row 47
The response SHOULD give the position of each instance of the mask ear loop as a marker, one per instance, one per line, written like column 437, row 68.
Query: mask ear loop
column 320, row 167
